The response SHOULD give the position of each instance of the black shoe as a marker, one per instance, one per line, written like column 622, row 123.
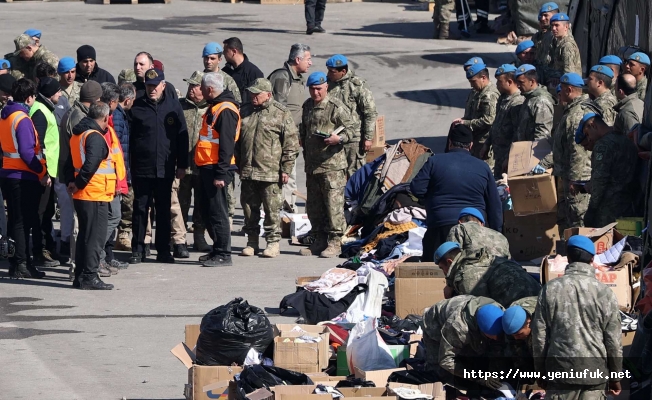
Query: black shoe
column 205, row 257
column 75, row 284
column 311, row 30
column 181, row 251
column 20, row 271
column 136, row 258
column 64, row 253
column 218, row 261
column 94, row 283
column 319, row 29
column 484, row 29
column 118, row 264
column 147, row 252
column 44, row 258
column 165, row 258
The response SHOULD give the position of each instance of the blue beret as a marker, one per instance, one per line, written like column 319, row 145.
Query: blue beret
column 572, row 79
column 640, row 57
column 443, row 249
column 66, row 64
column 505, row 69
column 33, row 33
column 212, row 48
column 603, row 69
column 514, row 319
column 337, row 61
column 474, row 70
column 524, row 45
column 611, row 59
column 560, row 17
column 581, row 242
column 551, row 6
column 490, row 319
column 474, row 212
column 579, row 133
column 525, row 68
column 316, row 78
column 473, row 61
column 558, row 88
column 5, row 64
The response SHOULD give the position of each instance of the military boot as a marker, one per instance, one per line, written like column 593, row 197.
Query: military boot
column 252, row 247
column 272, row 250
column 123, row 243
column 334, row 249
column 199, row 241
column 315, row 248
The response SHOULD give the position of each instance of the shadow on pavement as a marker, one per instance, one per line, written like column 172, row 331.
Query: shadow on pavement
column 455, row 98
column 410, row 30
column 492, row 60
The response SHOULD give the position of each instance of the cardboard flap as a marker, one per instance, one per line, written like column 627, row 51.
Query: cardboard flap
column 589, row 232
column 363, row 391
column 192, row 334
column 419, row 270
column 436, row 390
column 184, row 354
column 523, row 156
column 260, row 394
column 379, row 377
column 215, row 385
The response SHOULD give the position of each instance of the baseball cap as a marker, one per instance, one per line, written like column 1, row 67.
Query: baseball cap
column 127, row 75
column 21, row 42
column 337, row 61
column 195, row 78
column 154, row 76
column 260, row 85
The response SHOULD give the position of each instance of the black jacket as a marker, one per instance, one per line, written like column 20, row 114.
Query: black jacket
column 96, row 151
column 226, row 125
column 170, row 91
column 158, row 138
column 98, row 75
column 244, row 76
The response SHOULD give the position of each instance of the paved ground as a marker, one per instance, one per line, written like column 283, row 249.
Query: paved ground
column 59, row 343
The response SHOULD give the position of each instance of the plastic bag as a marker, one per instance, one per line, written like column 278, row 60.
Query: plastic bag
column 261, row 376
column 228, row 332
column 366, row 350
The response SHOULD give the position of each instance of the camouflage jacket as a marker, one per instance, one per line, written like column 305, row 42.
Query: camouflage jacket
column 571, row 162
column 480, row 114
column 629, row 113
column 354, row 93
column 565, row 57
column 72, row 92
column 502, row 132
column 27, row 69
column 613, row 181
column 434, row 320
column 268, row 144
column 325, row 117
column 473, row 237
column 289, row 89
column 606, row 101
column 519, row 352
column 641, row 88
column 542, row 48
column 505, row 281
column 194, row 114
column 467, row 269
column 577, row 325
column 535, row 119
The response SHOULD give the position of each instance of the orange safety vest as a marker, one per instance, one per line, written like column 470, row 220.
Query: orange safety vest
column 101, row 187
column 208, row 145
column 117, row 156
column 10, row 156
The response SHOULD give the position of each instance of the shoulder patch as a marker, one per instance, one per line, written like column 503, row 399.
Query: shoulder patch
column 357, row 81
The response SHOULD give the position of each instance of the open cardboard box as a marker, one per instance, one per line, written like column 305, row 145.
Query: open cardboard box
column 436, row 390
column 531, row 194
column 530, row 236
column 603, row 238
column 301, row 357
column 417, row 287
column 379, row 377
column 204, row 382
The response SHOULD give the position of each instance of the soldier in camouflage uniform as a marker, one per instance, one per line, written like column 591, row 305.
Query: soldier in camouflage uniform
column 352, row 90
column 577, row 326
column 67, row 70
column 194, row 107
column 638, row 64
column 502, row 132
column 536, row 114
column 614, row 63
column 518, row 334
column 457, row 337
column 599, row 84
column 571, row 163
column 441, row 17
column 472, row 235
column 613, row 164
column 212, row 57
column 27, row 56
column 543, row 39
column 127, row 75
column 323, row 152
column 265, row 155
column 481, row 112
column 629, row 109
column 565, row 55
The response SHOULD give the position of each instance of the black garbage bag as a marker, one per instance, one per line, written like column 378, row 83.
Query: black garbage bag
column 228, row 332
column 261, row 376
column 409, row 324
column 352, row 381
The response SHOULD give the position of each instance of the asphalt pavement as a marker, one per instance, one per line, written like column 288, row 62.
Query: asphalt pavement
column 61, row 343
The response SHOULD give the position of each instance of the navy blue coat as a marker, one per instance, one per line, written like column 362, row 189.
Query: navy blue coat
column 449, row 182
column 121, row 126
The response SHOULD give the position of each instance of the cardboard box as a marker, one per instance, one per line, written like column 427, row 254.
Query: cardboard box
column 533, row 194
column 259, row 394
column 380, row 393
column 204, row 382
column 530, row 236
column 285, row 225
column 436, row 390
column 414, row 344
column 423, row 288
column 299, row 224
column 603, row 238
column 304, row 280
column 379, row 135
column 374, row 152
column 301, row 357
column 524, row 156
column 378, row 377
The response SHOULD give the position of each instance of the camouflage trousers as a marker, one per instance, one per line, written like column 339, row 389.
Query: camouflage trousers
column 230, row 197
column 441, row 17
column 501, row 154
column 477, row 147
column 575, row 392
column 253, row 194
column 188, row 185
column 570, row 207
column 127, row 209
column 355, row 157
column 325, row 204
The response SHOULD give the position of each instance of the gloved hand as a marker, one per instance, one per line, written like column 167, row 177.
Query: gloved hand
column 538, row 170
column 491, row 383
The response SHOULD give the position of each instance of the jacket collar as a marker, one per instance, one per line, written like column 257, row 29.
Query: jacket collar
column 578, row 268
column 293, row 74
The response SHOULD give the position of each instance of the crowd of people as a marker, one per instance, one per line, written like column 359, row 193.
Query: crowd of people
column 117, row 156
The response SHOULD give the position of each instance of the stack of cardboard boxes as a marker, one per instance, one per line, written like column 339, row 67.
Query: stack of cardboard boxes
column 378, row 143
column 418, row 286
